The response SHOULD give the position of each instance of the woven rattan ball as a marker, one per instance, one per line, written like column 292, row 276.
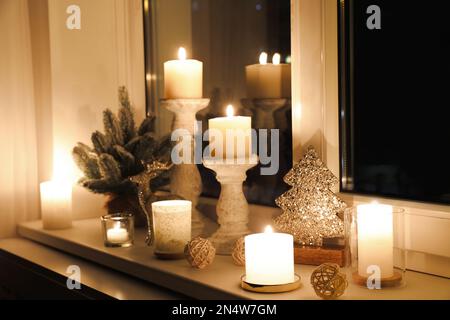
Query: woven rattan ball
column 238, row 254
column 328, row 282
column 199, row 252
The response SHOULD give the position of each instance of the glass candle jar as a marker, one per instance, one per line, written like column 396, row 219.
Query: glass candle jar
column 172, row 227
column 118, row 229
column 377, row 245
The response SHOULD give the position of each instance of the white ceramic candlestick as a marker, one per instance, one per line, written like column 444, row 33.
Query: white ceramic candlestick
column 185, row 180
column 232, row 207
column 264, row 111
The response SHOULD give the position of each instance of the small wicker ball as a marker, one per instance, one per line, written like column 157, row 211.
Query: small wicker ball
column 328, row 282
column 199, row 252
column 238, row 254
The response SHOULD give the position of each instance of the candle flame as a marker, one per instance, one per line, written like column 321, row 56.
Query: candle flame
column 276, row 58
column 263, row 58
column 230, row 111
column 182, row 53
column 268, row 229
column 116, row 225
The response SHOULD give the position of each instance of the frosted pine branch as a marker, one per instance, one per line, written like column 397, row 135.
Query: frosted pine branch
column 112, row 128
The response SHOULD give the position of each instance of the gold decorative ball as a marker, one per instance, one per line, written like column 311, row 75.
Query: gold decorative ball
column 328, row 282
column 199, row 252
column 238, row 254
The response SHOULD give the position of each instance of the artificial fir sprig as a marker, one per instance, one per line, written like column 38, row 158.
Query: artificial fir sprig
column 121, row 152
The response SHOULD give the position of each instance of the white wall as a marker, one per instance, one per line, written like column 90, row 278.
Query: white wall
column 86, row 68
column 19, row 199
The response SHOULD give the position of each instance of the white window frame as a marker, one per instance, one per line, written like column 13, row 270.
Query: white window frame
column 315, row 105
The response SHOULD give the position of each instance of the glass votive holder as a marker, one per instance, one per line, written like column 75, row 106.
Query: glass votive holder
column 118, row 229
column 376, row 234
column 172, row 227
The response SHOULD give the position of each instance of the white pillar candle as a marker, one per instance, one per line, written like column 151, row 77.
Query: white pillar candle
column 375, row 239
column 117, row 234
column 269, row 258
column 268, row 80
column 231, row 136
column 56, row 201
column 183, row 78
column 172, row 225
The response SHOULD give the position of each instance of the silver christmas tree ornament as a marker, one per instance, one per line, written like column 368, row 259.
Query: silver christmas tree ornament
column 310, row 208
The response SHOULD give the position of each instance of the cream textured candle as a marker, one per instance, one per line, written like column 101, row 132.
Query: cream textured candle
column 375, row 239
column 172, row 226
column 183, row 78
column 269, row 258
column 231, row 135
column 268, row 80
column 56, row 201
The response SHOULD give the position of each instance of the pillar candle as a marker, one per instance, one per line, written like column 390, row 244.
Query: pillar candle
column 375, row 239
column 183, row 78
column 268, row 80
column 231, row 135
column 172, row 225
column 56, row 201
column 269, row 258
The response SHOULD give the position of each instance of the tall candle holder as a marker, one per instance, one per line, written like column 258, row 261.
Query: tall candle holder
column 185, row 180
column 263, row 110
column 232, row 207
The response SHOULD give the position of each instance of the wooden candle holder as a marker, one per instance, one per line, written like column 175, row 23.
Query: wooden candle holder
column 390, row 282
column 271, row 288
column 318, row 255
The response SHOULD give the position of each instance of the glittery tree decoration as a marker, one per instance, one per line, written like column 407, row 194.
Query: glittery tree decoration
column 310, row 208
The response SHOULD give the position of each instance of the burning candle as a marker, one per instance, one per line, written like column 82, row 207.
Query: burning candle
column 269, row 258
column 56, row 201
column 183, row 78
column 375, row 239
column 268, row 80
column 117, row 234
column 230, row 136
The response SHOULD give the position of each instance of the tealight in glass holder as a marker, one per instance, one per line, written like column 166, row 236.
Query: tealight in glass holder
column 118, row 230
column 377, row 245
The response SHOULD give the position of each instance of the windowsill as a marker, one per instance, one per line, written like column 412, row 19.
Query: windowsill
column 218, row 281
